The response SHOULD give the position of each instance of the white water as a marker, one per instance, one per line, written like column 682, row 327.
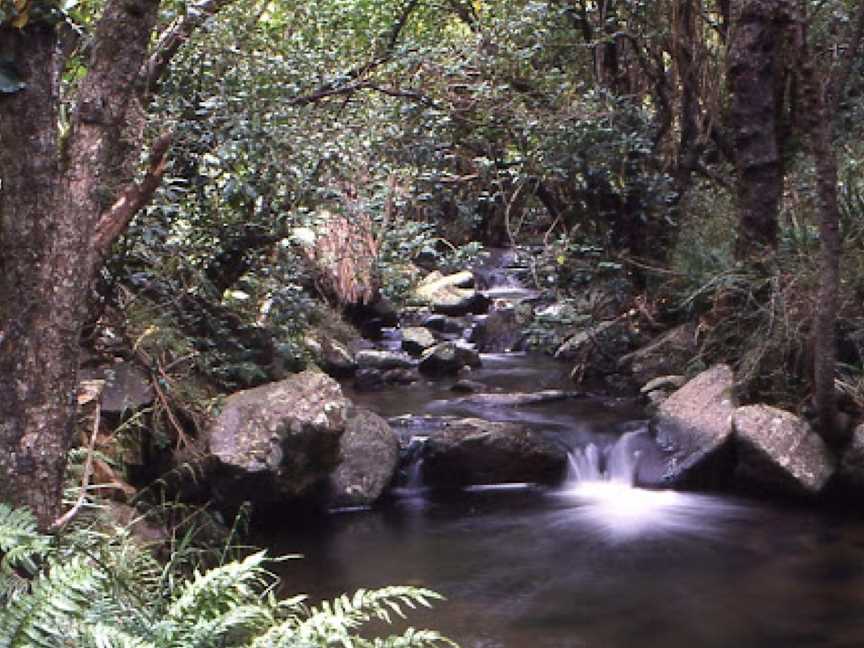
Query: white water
column 601, row 486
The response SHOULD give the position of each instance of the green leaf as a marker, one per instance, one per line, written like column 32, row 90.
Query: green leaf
column 10, row 82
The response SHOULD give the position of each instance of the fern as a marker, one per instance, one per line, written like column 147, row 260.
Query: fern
column 92, row 589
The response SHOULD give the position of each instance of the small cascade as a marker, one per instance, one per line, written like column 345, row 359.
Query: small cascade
column 617, row 463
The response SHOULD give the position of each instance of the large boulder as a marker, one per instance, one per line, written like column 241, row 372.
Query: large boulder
column 695, row 426
column 473, row 451
column 416, row 339
column 448, row 358
column 668, row 354
column 778, row 453
column 370, row 456
column 278, row 442
column 445, row 294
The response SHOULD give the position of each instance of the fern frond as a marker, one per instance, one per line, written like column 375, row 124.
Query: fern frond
column 58, row 599
column 100, row 635
column 22, row 544
column 212, row 593
column 333, row 623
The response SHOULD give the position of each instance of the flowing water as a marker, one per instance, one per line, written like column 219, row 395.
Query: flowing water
column 596, row 562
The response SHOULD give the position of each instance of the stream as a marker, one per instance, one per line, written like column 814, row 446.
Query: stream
column 594, row 562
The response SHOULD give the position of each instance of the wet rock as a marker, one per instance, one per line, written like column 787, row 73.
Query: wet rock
column 382, row 360
column 468, row 387
column 518, row 400
column 444, row 324
column 473, row 451
column 448, row 358
column 444, row 294
column 501, row 331
column 695, row 426
column 778, row 453
column 416, row 339
column 278, row 442
column 400, row 376
column 668, row 354
column 368, row 380
column 370, row 456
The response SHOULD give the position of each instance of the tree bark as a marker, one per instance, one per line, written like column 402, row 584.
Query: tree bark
column 817, row 120
column 755, row 73
column 61, row 207
column 38, row 345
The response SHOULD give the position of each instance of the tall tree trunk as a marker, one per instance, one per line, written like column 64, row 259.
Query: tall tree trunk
column 755, row 71
column 688, row 78
column 40, row 287
column 817, row 121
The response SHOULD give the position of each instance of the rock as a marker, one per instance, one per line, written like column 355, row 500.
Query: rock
column 444, row 324
column 400, row 376
column 695, row 425
column 382, row 360
column 126, row 389
column 778, row 453
column 852, row 461
column 473, row 451
column 668, row 354
column 448, row 358
column 332, row 356
column 468, row 386
column 444, row 295
column 370, row 456
column 416, row 339
column 663, row 383
column 500, row 332
column 278, row 442
column 371, row 318
column 367, row 380
column 517, row 400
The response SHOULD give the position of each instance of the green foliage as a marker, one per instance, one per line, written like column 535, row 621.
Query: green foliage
column 96, row 589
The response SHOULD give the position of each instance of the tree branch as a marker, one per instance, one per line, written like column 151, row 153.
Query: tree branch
column 173, row 38
column 113, row 222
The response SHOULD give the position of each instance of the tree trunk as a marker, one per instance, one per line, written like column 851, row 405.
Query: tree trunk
column 817, row 120
column 60, row 208
column 39, row 285
column 755, row 73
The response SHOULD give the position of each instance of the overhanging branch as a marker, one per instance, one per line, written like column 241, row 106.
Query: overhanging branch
column 113, row 222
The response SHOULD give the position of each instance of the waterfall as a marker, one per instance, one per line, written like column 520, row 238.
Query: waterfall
column 617, row 463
